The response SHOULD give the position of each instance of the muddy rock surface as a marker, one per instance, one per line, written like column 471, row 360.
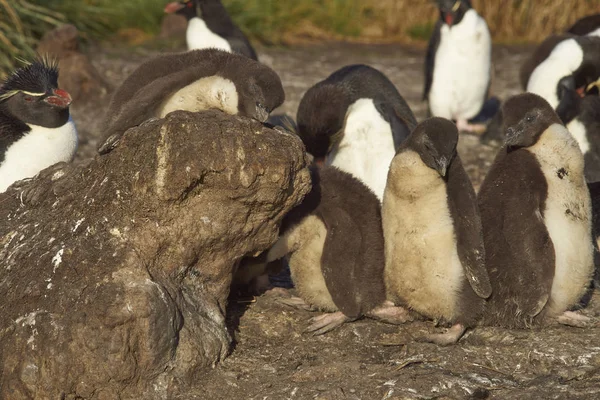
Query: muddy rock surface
column 272, row 358
column 114, row 275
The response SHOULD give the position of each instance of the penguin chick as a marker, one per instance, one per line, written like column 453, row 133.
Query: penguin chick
column 536, row 216
column 334, row 243
column 458, row 64
column 209, row 26
column 192, row 81
column 36, row 130
column 357, row 118
column 434, row 254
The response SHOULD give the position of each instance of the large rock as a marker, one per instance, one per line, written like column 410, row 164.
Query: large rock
column 114, row 277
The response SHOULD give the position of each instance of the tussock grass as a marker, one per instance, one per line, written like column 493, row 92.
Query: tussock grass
column 23, row 22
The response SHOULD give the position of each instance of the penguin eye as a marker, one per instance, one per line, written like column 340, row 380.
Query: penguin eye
column 529, row 118
column 28, row 98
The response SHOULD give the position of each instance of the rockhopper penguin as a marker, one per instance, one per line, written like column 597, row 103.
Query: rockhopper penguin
column 209, row 26
column 36, row 130
column 192, row 81
column 334, row 245
column 537, row 220
column 434, row 253
column 458, row 64
column 356, row 118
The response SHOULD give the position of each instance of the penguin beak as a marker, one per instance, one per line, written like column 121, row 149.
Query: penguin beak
column 442, row 165
column 60, row 98
column 173, row 7
column 262, row 114
column 513, row 136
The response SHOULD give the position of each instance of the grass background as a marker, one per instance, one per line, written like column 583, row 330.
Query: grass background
column 23, row 22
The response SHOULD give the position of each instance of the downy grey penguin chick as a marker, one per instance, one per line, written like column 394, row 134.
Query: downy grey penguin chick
column 334, row 245
column 458, row 64
column 36, row 130
column 193, row 81
column 209, row 26
column 357, row 118
column 434, row 254
column 536, row 216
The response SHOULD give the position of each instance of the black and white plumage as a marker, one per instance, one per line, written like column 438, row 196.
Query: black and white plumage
column 571, row 65
column 458, row 64
column 36, row 130
column 210, row 26
column 432, row 229
column 195, row 80
column 357, row 118
column 588, row 25
column 537, row 220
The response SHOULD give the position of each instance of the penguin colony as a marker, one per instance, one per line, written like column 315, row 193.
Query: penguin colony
column 392, row 228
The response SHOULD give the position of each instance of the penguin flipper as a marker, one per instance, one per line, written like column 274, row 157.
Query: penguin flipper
column 400, row 129
column 242, row 46
column 340, row 259
column 462, row 202
column 434, row 43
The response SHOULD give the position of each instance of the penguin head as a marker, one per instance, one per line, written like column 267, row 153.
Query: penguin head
column 260, row 94
column 31, row 94
column 453, row 11
column 188, row 8
column 435, row 141
column 526, row 117
column 320, row 118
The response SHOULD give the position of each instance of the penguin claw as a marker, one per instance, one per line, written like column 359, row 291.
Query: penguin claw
column 451, row 336
column 571, row 318
column 326, row 322
column 296, row 302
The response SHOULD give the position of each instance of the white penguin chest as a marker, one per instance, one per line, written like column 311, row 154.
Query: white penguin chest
column 422, row 264
column 462, row 67
column 367, row 146
column 564, row 59
column 36, row 150
column 577, row 129
column 567, row 216
column 198, row 36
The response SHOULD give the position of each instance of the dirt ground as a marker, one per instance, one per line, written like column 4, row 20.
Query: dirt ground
column 273, row 359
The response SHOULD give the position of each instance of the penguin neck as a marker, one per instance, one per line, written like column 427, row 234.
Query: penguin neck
column 10, row 126
column 200, row 36
column 409, row 177
column 556, row 143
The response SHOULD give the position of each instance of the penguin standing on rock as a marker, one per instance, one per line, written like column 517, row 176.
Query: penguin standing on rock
column 335, row 247
column 356, row 118
column 434, row 253
column 458, row 65
column 194, row 81
column 537, row 220
column 36, row 130
column 209, row 26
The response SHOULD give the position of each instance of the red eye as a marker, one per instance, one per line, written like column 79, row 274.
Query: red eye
column 28, row 98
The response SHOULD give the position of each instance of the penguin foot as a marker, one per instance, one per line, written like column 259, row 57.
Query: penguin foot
column 296, row 302
column 451, row 336
column 390, row 313
column 277, row 292
column 463, row 126
column 326, row 322
column 572, row 318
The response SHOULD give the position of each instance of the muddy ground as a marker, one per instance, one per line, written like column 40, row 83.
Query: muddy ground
column 273, row 359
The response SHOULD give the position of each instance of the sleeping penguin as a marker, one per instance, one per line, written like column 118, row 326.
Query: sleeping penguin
column 36, row 130
column 192, row 81
column 458, row 65
column 209, row 26
column 434, row 254
column 537, row 220
column 334, row 244
column 356, row 118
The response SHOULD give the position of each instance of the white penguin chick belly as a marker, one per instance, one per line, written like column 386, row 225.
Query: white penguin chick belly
column 204, row 94
column 567, row 216
column 564, row 59
column 422, row 264
column 198, row 36
column 462, row 68
column 38, row 149
column 367, row 146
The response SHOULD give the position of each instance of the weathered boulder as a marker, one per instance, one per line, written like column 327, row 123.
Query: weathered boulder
column 114, row 276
